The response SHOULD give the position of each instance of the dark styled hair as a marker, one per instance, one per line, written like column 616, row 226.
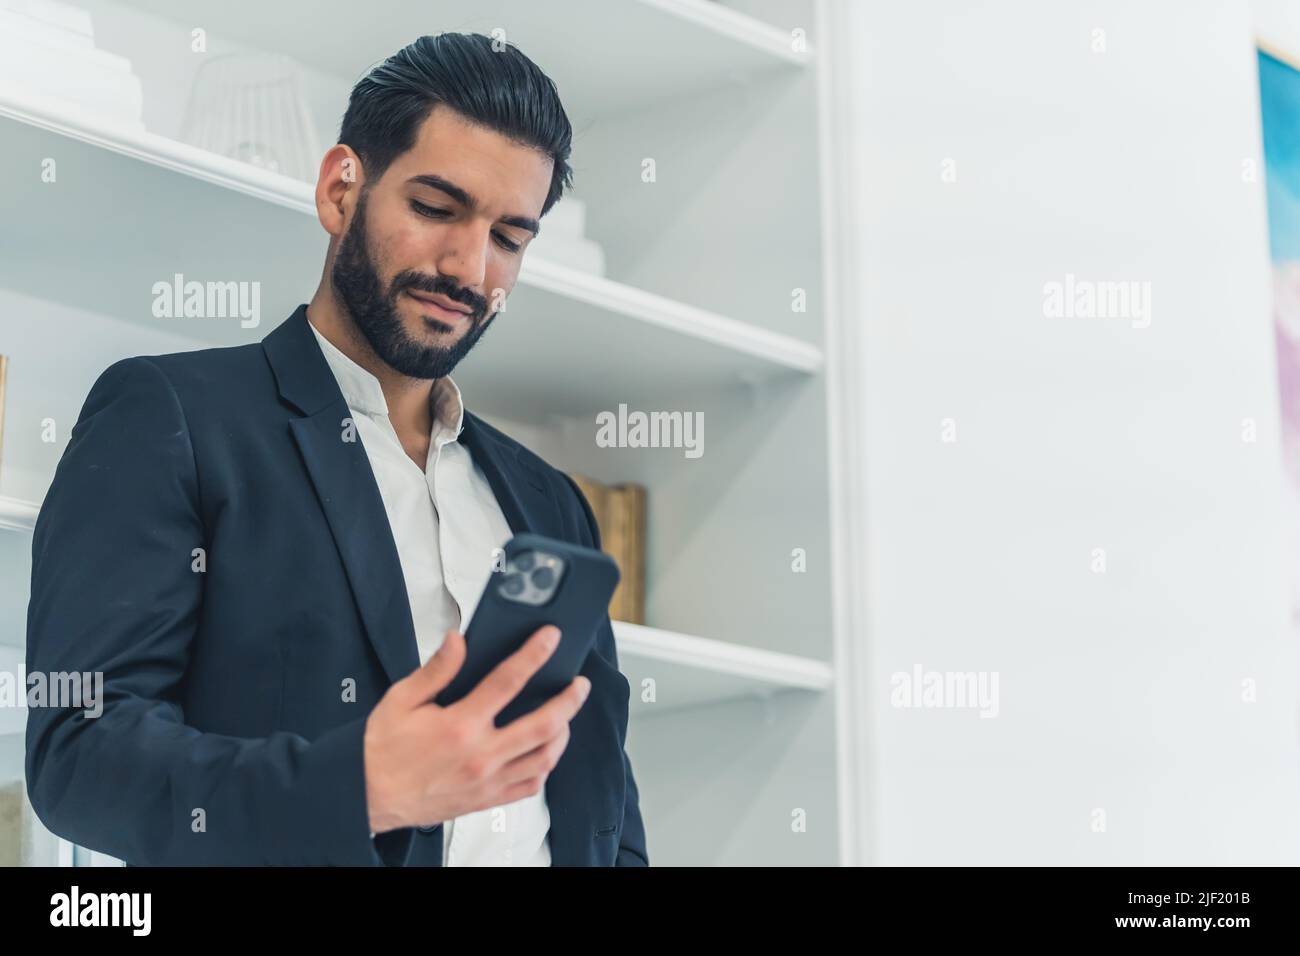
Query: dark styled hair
column 500, row 89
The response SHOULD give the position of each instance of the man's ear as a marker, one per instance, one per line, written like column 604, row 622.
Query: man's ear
column 338, row 184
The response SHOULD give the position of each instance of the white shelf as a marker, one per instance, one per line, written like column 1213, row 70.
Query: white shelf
column 17, row 515
column 695, row 671
column 112, row 182
column 605, row 56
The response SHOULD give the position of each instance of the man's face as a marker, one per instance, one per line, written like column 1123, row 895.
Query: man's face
column 447, row 222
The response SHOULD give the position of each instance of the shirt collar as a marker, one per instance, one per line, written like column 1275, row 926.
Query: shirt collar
column 362, row 391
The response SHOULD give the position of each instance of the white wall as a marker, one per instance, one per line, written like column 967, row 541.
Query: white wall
column 1119, row 691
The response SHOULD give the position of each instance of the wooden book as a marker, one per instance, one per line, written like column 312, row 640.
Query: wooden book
column 620, row 514
column 626, row 509
column 595, row 493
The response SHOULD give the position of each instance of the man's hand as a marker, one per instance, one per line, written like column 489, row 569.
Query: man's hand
column 426, row 763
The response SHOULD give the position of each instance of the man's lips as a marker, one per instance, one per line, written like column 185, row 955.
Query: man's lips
column 437, row 310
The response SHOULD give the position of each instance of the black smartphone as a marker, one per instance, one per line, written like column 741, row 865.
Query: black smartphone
column 540, row 581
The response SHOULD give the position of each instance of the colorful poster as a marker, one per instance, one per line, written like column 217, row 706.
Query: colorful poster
column 1279, row 82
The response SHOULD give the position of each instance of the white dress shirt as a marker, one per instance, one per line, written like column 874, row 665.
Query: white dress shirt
column 446, row 523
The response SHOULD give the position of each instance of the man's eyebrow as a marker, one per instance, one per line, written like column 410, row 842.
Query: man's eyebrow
column 465, row 199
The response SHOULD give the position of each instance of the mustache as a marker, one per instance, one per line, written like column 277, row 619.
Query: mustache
column 438, row 285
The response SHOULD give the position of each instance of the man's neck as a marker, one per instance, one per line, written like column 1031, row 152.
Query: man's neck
column 408, row 398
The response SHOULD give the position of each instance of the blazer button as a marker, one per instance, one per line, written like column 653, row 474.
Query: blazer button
column 429, row 829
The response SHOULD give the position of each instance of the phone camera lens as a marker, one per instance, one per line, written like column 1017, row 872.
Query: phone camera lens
column 542, row 578
column 524, row 562
column 513, row 584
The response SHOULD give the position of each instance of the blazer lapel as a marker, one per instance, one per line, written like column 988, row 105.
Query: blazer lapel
column 345, row 484
column 519, row 489
column 528, row 506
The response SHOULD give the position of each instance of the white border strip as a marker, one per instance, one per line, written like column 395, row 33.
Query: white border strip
column 848, row 446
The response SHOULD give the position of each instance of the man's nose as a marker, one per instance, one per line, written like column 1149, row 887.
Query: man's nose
column 464, row 258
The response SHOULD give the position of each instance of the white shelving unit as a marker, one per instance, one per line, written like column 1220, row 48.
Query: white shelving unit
column 696, row 671
column 17, row 515
column 734, row 728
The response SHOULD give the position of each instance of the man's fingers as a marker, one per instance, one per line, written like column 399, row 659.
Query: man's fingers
column 543, row 724
column 424, row 683
column 504, row 682
column 536, row 762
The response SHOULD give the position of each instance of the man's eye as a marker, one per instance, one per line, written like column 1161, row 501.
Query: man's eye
column 434, row 213
column 429, row 211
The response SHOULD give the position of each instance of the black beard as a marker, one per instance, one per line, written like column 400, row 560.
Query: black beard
column 374, row 311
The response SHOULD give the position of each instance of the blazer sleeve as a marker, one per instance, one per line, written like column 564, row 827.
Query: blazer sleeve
column 113, row 593
column 632, row 842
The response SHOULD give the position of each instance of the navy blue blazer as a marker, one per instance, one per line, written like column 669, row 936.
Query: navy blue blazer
column 226, row 736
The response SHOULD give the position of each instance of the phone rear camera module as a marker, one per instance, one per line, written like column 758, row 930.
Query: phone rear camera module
column 532, row 577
